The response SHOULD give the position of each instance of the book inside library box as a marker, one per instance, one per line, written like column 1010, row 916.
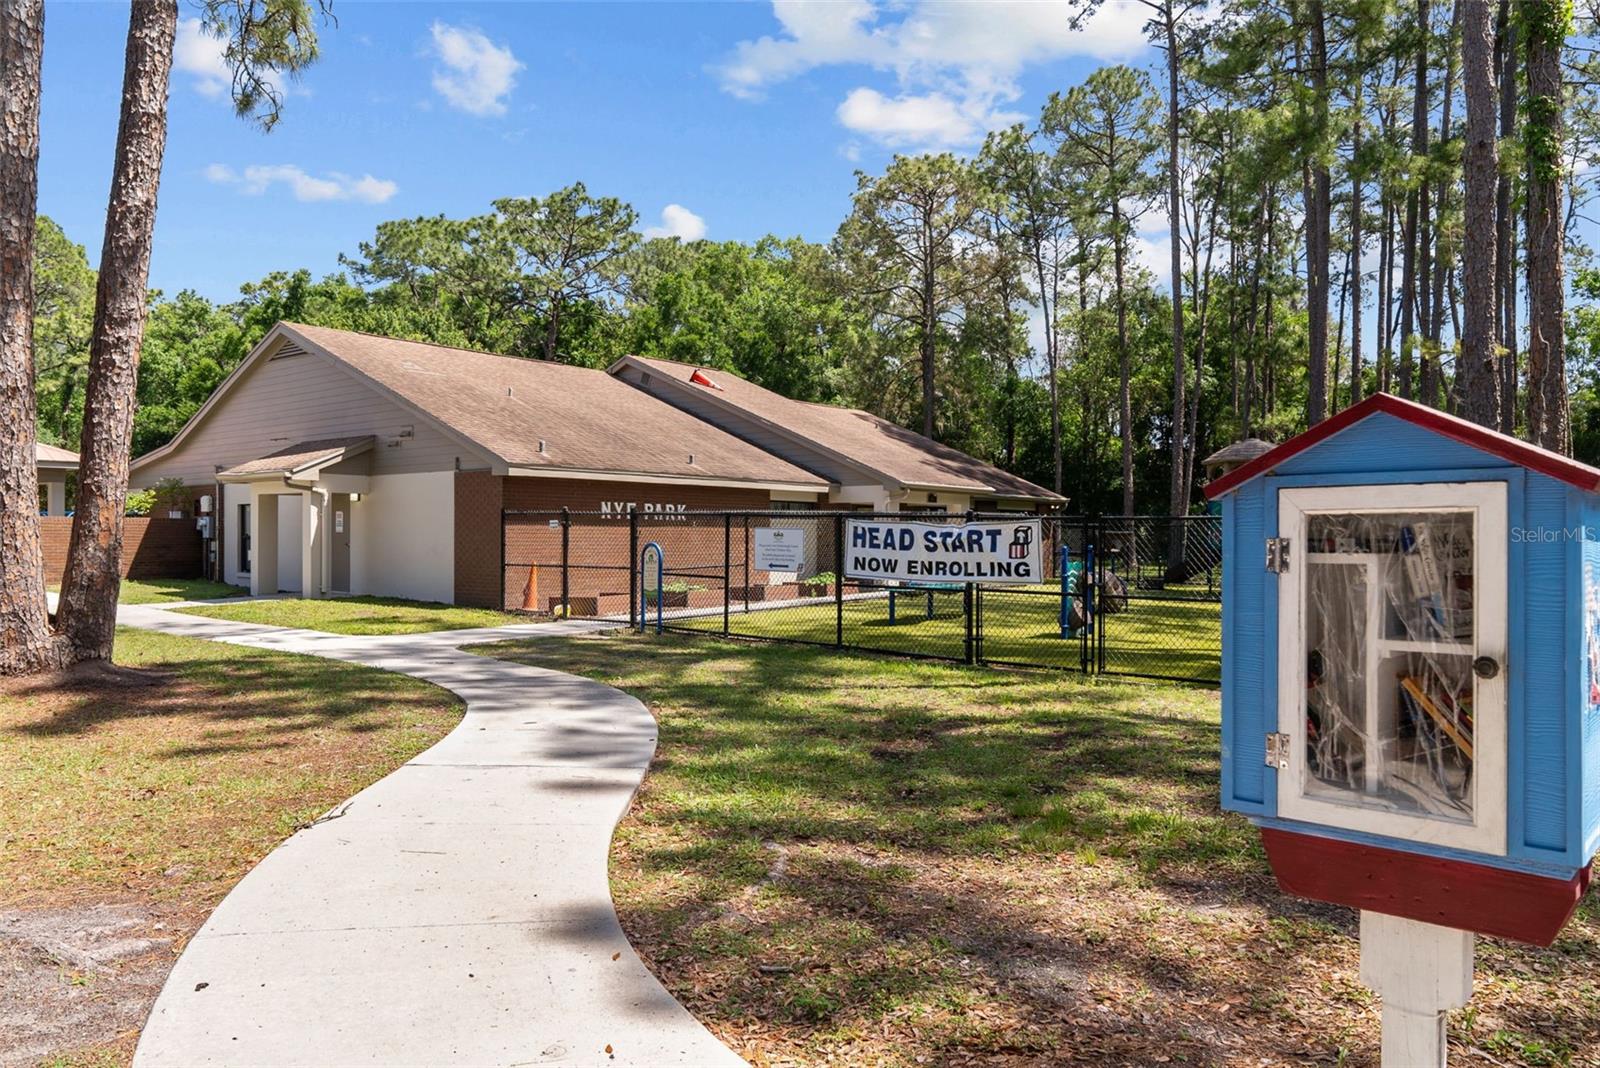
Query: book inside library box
column 1389, row 661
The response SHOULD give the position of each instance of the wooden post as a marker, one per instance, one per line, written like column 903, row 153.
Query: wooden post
column 1421, row 972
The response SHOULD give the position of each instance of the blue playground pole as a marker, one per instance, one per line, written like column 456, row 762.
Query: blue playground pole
column 661, row 594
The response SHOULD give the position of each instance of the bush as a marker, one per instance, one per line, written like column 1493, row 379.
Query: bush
column 170, row 494
column 140, row 503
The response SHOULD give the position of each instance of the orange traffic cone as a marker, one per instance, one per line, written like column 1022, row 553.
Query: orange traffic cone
column 530, row 592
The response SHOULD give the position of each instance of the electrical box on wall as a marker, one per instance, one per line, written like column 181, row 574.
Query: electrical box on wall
column 1411, row 638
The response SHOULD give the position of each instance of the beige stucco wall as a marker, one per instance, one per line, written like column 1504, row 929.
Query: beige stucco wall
column 402, row 538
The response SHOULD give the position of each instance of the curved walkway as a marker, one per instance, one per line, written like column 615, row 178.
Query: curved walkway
column 456, row 912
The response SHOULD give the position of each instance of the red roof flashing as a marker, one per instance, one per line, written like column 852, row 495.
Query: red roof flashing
column 1544, row 461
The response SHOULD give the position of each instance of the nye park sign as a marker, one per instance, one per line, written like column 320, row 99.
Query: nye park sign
column 998, row 553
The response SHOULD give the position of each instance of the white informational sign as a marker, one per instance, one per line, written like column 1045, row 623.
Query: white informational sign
column 992, row 552
column 779, row 549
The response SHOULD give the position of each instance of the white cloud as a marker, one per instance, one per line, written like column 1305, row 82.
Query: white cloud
column 931, row 120
column 199, row 53
column 1153, row 252
column 678, row 221
column 476, row 74
column 258, row 178
column 954, row 64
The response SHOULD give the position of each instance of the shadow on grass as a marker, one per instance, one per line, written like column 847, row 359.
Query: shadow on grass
column 777, row 742
column 1044, row 849
column 251, row 697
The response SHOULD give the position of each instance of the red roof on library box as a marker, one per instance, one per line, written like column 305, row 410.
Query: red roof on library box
column 1493, row 442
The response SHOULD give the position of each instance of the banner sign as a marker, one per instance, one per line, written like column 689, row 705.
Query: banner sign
column 779, row 548
column 997, row 553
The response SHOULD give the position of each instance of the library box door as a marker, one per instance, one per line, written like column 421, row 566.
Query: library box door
column 1392, row 655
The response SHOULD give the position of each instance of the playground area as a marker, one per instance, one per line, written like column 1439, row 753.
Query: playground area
column 1019, row 626
column 1133, row 596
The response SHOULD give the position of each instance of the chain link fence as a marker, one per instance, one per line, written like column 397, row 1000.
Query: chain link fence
column 1137, row 596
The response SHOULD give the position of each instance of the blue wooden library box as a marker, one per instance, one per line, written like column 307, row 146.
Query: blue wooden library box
column 1411, row 668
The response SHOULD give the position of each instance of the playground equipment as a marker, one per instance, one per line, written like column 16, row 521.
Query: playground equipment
column 1076, row 616
column 644, row 593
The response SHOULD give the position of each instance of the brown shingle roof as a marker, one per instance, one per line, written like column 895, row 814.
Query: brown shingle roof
column 298, row 457
column 586, row 420
column 50, row 454
column 860, row 437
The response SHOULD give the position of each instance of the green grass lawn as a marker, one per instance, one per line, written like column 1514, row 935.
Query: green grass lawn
column 360, row 615
column 156, row 591
column 152, row 801
column 842, row 859
column 1179, row 639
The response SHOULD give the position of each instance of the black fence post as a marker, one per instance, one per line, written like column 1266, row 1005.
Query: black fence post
column 634, row 618
column 747, row 564
column 838, row 580
column 1084, row 598
column 968, row 649
column 566, row 539
column 503, row 520
column 727, row 565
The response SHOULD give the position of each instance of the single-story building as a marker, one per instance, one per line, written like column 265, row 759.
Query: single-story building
column 869, row 462
column 54, row 465
column 348, row 463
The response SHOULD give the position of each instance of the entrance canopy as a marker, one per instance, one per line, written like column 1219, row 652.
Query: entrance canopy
column 311, row 533
column 307, row 461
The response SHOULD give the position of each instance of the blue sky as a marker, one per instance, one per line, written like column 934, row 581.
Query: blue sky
column 721, row 120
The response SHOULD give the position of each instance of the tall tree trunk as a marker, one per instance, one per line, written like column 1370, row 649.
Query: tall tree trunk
column 1355, row 236
column 1318, row 210
column 1125, row 371
column 1202, row 317
column 1087, row 427
column 88, row 614
column 1263, row 217
column 1506, row 222
column 1385, row 296
column 1440, row 200
column 1178, row 503
column 1338, row 331
column 1544, row 22
column 26, row 642
column 1477, row 378
column 1052, row 348
column 552, row 331
column 929, row 327
column 1413, row 270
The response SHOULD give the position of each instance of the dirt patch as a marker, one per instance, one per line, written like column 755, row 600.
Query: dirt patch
column 80, row 978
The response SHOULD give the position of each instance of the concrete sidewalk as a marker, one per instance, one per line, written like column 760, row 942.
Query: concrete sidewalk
column 456, row 912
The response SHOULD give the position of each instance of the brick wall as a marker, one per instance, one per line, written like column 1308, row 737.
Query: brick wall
column 151, row 548
column 478, row 506
column 598, row 546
